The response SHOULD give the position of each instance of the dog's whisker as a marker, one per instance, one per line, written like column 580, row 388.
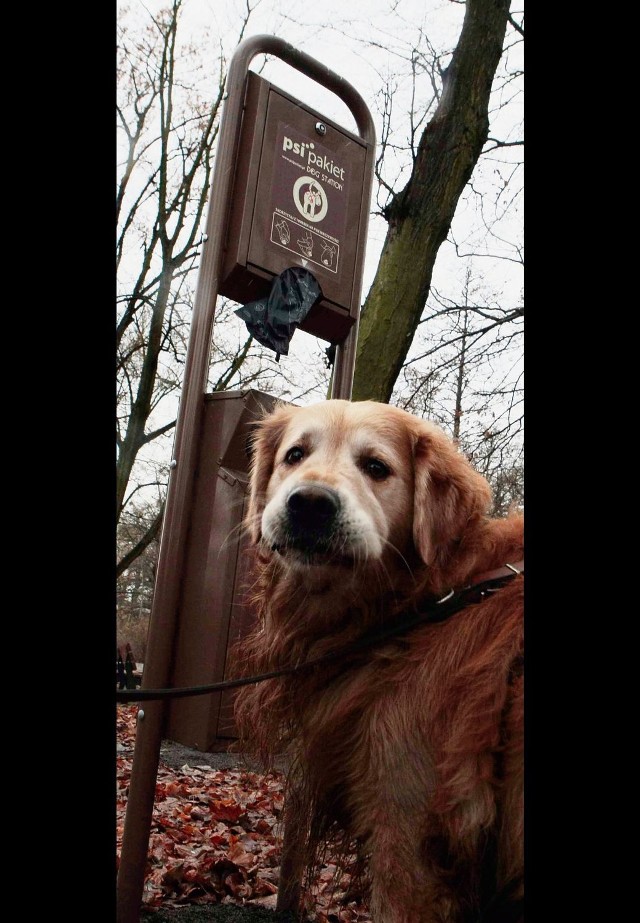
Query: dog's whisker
column 234, row 536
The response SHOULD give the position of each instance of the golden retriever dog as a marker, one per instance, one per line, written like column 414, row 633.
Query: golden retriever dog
column 411, row 750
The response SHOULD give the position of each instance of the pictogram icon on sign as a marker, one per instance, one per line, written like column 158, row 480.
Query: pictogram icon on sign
column 310, row 199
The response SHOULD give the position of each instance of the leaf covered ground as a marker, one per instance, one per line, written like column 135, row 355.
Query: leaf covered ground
column 215, row 838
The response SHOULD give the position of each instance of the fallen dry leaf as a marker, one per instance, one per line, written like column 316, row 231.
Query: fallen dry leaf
column 215, row 838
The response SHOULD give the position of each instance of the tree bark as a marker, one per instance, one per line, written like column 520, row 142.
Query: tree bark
column 421, row 214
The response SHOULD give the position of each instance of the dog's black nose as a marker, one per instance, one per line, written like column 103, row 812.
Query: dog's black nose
column 312, row 510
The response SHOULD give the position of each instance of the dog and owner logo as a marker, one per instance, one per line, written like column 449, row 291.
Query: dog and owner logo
column 310, row 199
column 312, row 228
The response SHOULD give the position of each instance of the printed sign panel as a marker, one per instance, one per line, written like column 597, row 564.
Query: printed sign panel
column 309, row 196
column 307, row 207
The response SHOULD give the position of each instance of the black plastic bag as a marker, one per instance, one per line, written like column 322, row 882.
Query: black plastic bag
column 273, row 320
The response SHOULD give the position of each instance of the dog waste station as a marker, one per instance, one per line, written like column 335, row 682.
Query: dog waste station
column 297, row 200
column 285, row 237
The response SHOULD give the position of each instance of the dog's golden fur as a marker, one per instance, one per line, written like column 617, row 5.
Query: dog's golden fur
column 415, row 749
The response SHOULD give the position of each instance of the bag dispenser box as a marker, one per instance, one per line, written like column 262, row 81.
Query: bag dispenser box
column 297, row 201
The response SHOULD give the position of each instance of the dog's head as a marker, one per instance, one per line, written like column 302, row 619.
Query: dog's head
column 351, row 485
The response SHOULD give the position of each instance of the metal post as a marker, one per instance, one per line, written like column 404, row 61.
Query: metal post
column 163, row 622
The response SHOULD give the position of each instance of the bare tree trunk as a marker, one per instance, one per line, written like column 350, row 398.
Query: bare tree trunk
column 145, row 540
column 420, row 216
column 135, row 436
column 457, row 413
column 149, row 117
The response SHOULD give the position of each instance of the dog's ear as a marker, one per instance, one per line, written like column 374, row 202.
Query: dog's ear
column 265, row 439
column 449, row 495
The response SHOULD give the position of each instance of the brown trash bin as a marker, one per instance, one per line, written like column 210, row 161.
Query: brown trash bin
column 212, row 615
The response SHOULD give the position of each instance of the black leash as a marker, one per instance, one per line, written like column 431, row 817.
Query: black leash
column 438, row 611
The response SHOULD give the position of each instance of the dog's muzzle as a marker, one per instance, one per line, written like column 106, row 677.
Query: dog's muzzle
column 312, row 516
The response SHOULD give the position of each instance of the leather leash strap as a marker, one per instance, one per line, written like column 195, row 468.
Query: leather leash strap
column 438, row 611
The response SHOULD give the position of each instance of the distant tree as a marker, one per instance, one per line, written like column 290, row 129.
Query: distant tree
column 508, row 489
column 468, row 378
column 419, row 215
column 167, row 133
column 137, row 577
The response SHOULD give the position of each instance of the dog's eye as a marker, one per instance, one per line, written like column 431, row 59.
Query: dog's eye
column 294, row 455
column 375, row 469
